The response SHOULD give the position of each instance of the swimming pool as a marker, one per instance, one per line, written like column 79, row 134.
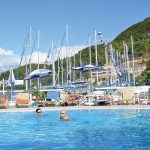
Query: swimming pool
column 91, row 129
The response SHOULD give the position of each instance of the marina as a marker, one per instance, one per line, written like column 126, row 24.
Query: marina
column 75, row 75
column 113, row 84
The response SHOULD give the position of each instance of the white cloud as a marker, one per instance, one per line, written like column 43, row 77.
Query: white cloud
column 4, row 52
column 9, row 60
column 61, row 53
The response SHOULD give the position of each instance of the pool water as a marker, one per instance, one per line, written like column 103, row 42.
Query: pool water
column 90, row 129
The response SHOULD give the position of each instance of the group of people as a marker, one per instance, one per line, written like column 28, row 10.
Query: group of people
column 63, row 114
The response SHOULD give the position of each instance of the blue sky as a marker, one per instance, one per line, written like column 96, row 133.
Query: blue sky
column 111, row 17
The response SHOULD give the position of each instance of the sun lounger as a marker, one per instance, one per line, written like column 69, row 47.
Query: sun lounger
column 70, row 100
column 23, row 100
column 38, row 102
column 104, row 100
column 4, row 101
column 52, row 98
column 127, row 96
column 144, row 99
column 21, row 103
column 90, row 100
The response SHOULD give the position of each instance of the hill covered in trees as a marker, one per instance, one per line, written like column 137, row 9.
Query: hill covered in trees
column 141, row 37
column 140, row 33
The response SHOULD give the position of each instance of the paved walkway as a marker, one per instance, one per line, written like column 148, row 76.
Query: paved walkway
column 76, row 108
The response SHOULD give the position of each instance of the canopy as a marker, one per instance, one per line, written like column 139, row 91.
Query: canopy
column 86, row 68
column 11, row 79
column 78, row 68
column 39, row 73
column 90, row 67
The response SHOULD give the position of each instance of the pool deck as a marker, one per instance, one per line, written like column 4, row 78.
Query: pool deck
column 76, row 108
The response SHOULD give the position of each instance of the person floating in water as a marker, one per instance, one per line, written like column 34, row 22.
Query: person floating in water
column 63, row 116
column 38, row 112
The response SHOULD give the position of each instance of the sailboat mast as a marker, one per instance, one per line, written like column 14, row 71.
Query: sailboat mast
column 117, row 63
column 133, row 61
column 111, row 63
column 124, row 61
column 62, row 69
column 89, row 43
column 26, row 63
column 53, row 63
column 96, row 62
column 128, row 66
column 58, row 64
column 38, row 55
column 107, row 75
column 38, row 47
column 96, row 56
column 80, row 64
column 74, row 58
column 30, row 50
column 67, row 51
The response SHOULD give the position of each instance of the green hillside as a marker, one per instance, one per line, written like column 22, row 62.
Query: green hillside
column 140, row 33
column 141, row 37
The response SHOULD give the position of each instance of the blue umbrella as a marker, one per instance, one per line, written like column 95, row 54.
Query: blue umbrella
column 89, row 67
column 11, row 80
column 78, row 68
column 86, row 68
column 39, row 73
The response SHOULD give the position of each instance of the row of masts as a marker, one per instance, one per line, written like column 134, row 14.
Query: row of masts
column 109, row 59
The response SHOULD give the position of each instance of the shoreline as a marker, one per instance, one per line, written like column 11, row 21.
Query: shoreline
column 76, row 108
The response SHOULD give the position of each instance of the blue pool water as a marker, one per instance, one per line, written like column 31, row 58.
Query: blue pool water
column 91, row 129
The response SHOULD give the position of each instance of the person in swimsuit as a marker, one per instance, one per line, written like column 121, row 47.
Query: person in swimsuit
column 38, row 112
column 63, row 115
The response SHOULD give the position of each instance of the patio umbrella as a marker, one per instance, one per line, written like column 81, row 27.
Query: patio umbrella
column 90, row 67
column 39, row 73
column 86, row 68
column 78, row 68
column 11, row 80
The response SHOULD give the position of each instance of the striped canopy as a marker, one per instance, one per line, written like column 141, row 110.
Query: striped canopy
column 39, row 73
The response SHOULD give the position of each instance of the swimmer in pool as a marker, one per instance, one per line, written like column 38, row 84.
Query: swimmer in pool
column 63, row 116
column 38, row 112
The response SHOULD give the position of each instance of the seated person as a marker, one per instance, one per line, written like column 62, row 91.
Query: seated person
column 63, row 116
column 95, row 100
column 87, row 99
column 38, row 112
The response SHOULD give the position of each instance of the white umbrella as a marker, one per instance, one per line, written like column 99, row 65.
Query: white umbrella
column 78, row 68
column 89, row 67
column 86, row 68
column 39, row 73
column 11, row 80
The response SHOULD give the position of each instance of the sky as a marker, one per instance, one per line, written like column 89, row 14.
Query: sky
column 50, row 17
